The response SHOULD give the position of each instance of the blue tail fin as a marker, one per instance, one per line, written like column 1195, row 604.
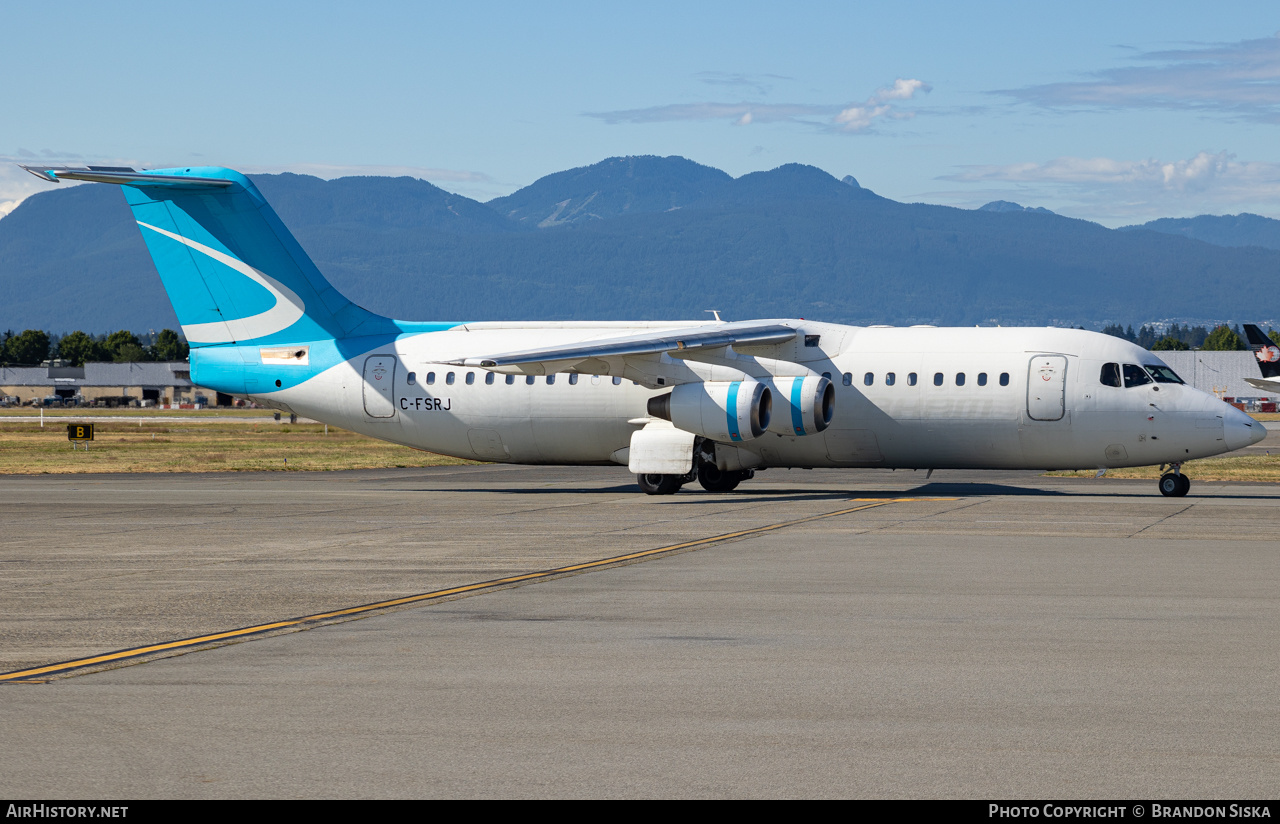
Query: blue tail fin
column 232, row 270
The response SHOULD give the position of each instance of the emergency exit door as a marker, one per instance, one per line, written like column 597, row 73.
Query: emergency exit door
column 379, row 385
column 1047, row 388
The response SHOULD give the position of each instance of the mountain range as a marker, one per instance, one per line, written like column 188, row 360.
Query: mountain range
column 1221, row 230
column 653, row 238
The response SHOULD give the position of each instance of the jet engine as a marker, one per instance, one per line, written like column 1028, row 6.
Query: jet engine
column 804, row 406
column 728, row 411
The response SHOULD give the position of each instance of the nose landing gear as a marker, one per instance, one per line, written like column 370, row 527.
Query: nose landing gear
column 1174, row 484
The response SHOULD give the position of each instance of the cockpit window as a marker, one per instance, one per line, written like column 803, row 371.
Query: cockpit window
column 1162, row 373
column 1110, row 374
column 1135, row 375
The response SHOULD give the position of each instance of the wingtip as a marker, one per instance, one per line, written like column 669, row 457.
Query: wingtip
column 44, row 174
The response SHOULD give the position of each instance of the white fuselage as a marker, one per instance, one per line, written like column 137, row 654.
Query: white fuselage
column 1028, row 398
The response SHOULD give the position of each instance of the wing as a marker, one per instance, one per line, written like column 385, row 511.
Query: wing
column 593, row 355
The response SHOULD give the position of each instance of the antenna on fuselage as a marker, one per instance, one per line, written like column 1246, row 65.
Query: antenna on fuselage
column 716, row 313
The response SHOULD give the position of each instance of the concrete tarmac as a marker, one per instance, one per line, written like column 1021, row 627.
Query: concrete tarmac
column 980, row 635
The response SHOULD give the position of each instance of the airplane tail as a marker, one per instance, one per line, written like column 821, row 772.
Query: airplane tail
column 1265, row 350
column 233, row 272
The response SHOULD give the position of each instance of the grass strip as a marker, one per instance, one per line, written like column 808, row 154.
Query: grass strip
column 26, row 448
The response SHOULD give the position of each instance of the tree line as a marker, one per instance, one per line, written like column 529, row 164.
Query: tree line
column 1180, row 338
column 33, row 346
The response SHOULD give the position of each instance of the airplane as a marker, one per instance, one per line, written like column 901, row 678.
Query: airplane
column 673, row 401
column 1268, row 355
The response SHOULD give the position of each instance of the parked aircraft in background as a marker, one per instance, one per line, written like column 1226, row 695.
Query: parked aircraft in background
column 674, row 401
column 1268, row 355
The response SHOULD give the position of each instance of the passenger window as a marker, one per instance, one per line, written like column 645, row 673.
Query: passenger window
column 573, row 378
column 411, row 378
column 911, row 379
column 959, row 379
column 511, row 379
column 937, row 379
column 868, row 379
column 449, row 379
column 982, row 379
column 471, row 378
column 1135, row 375
column 812, row 340
column 1110, row 374
column 488, row 378
column 528, row 379
column 617, row 381
column 848, row 379
column 431, row 378
column 551, row 379
column 826, row 375
column 1004, row 378
column 890, row 378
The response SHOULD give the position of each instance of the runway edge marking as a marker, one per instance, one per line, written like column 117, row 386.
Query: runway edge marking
column 321, row 617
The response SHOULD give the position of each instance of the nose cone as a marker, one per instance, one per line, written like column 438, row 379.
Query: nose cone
column 1239, row 430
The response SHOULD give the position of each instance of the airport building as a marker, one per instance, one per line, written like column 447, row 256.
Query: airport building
column 162, row 383
column 1218, row 373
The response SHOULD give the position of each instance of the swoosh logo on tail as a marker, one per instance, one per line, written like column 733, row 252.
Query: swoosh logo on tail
column 287, row 310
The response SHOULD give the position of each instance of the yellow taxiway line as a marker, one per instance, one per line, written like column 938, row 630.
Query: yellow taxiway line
column 119, row 655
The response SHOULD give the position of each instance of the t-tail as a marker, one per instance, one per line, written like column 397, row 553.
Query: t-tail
column 234, row 273
column 249, row 299
column 1265, row 350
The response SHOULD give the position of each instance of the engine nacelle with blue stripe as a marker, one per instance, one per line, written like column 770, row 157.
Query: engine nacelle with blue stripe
column 801, row 406
column 725, row 411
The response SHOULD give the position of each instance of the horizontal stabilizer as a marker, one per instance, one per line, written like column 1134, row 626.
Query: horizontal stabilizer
column 126, row 177
column 679, row 340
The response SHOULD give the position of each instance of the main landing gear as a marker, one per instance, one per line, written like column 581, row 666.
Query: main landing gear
column 711, row 479
column 714, row 479
column 705, row 471
column 652, row 484
column 1174, row 484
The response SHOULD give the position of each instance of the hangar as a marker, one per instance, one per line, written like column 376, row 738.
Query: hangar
column 164, row 382
column 1219, row 373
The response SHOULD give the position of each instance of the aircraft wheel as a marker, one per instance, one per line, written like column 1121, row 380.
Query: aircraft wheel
column 654, row 484
column 715, row 480
column 1174, row 486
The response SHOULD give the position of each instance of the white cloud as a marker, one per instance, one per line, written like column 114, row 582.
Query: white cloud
column 16, row 184
column 759, row 83
column 733, row 112
column 836, row 117
column 1105, row 189
column 1198, row 172
column 1240, row 79
column 329, row 171
column 860, row 118
column 901, row 89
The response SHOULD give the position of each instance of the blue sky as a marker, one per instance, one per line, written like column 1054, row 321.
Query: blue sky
column 1112, row 112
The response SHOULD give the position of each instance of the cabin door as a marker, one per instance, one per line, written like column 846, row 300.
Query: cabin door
column 379, row 384
column 1047, row 388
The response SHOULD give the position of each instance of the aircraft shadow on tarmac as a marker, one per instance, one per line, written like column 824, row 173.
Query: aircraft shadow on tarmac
column 763, row 494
